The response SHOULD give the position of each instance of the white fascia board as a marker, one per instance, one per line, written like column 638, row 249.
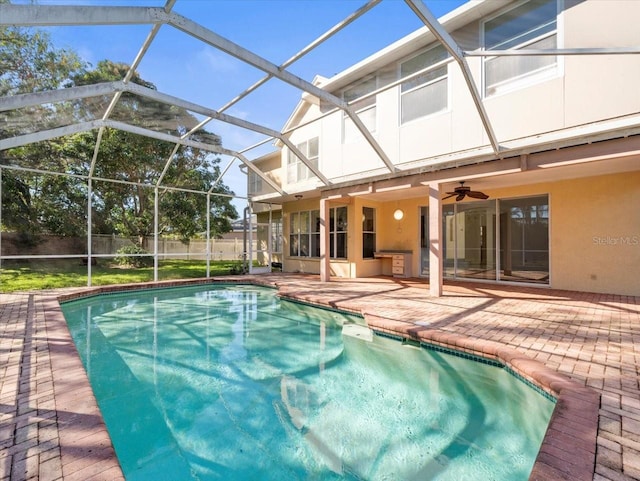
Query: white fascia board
column 554, row 52
column 59, row 15
column 571, row 137
column 300, row 109
column 461, row 16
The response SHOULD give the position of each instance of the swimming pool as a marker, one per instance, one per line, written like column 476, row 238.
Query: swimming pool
column 231, row 382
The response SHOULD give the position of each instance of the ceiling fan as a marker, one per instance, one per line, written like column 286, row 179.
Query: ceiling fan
column 462, row 191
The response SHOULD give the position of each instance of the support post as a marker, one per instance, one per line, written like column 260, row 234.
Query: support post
column 325, row 265
column 89, row 237
column 270, row 239
column 155, row 235
column 250, row 260
column 0, row 219
column 208, row 249
column 435, row 240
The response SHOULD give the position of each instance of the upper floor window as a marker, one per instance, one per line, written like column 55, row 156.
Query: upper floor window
column 255, row 183
column 426, row 93
column 531, row 25
column 296, row 169
column 365, row 108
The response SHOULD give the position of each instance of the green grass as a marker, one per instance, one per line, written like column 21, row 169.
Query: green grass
column 56, row 273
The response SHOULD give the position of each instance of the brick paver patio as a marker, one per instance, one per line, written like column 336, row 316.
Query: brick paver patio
column 51, row 428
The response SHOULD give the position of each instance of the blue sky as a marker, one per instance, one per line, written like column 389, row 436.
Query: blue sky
column 274, row 29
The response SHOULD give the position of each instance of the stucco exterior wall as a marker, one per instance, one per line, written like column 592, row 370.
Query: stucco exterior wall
column 581, row 90
column 594, row 233
column 598, row 87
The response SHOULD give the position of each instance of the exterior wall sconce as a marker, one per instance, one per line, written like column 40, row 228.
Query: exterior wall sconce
column 398, row 214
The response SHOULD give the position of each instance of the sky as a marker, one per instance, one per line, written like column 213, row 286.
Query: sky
column 182, row 66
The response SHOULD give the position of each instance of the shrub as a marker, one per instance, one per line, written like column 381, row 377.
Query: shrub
column 132, row 256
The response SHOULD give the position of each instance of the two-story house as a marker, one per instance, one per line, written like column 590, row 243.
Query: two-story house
column 500, row 144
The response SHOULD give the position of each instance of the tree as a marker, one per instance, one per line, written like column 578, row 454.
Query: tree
column 29, row 63
column 34, row 203
column 127, row 207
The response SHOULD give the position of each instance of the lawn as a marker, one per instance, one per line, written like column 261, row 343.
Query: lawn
column 49, row 274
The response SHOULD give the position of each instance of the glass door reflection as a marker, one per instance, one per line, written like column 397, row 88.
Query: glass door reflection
column 474, row 239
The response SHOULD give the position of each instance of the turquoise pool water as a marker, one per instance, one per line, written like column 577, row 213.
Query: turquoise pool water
column 232, row 383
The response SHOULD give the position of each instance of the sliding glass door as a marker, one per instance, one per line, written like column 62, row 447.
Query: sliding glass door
column 475, row 237
column 524, row 240
column 498, row 240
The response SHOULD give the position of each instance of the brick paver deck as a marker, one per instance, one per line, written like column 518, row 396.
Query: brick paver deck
column 51, row 428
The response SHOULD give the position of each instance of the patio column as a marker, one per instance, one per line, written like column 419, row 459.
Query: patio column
column 435, row 240
column 325, row 267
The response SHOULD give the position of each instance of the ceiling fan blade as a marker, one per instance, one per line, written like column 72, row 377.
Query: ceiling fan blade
column 477, row 195
column 452, row 194
column 460, row 197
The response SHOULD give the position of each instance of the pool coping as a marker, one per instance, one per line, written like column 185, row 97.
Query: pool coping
column 568, row 450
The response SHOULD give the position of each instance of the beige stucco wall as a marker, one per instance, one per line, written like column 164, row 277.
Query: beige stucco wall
column 271, row 166
column 339, row 268
column 594, row 233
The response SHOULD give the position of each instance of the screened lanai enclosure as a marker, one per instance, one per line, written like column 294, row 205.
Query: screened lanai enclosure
column 97, row 164
column 128, row 128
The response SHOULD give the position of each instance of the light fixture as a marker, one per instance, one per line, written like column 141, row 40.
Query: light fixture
column 298, row 196
column 398, row 214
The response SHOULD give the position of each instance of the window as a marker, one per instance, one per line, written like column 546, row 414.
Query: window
column 304, row 234
column 276, row 236
column 428, row 92
column 532, row 25
column 338, row 233
column 365, row 108
column 314, row 216
column 499, row 240
column 297, row 171
column 368, row 232
column 255, row 183
column 524, row 239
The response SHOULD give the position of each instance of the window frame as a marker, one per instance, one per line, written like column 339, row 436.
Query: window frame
column 369, row 102
column 255, row 183
column 416, row 77
column 334, row 233
column 530, row 77
column 369, row 233
column 277, row 236
column 296, row 166
column 303, row 236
